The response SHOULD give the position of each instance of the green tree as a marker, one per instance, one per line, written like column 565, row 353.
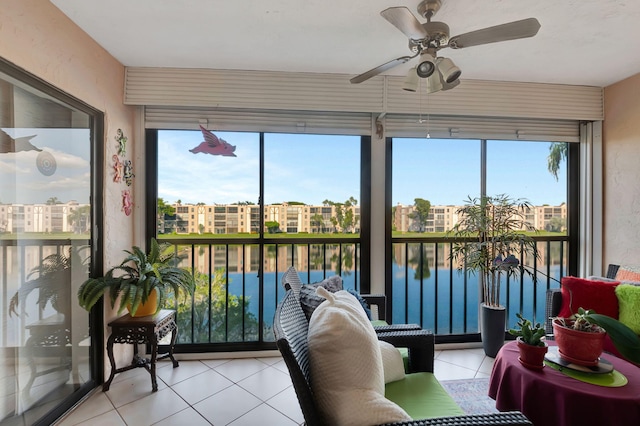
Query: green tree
column 557, row 153
column 273, row 227
column 420, row 213
column 555, row 224
column 163, row 211
column 345, row 219
column 317, row 221
column 223, row 322
column 53, row 200
column 79, row 219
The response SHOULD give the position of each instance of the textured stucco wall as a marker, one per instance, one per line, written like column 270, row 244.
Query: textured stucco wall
column 37, row 37
column 621, row 145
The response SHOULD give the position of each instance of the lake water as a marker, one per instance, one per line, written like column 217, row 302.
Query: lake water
column 457, row 304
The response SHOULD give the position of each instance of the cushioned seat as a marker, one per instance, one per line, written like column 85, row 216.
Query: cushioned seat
column 420, row 395
column 409, row 394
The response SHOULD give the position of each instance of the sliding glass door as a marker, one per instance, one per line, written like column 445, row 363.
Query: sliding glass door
column 46, row 247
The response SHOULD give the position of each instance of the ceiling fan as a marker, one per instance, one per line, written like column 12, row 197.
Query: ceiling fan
column 425, row 40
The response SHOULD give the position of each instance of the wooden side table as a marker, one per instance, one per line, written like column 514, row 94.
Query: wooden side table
column 138, row 330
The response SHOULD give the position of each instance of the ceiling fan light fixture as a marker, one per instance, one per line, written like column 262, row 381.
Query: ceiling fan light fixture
column 449, row 86
column 411, row 81
column 450, row 71
column 434, row 83
column 427, row 65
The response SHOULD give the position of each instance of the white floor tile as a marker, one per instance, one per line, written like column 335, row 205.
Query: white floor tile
column 227, row 391
column 201, row 386
column 263, row 415
column 280, row 365
column 446, row 371
column 132, row 389
column 287, row 403
column 238, row 369
column 153, row 408
column 270, row 360
column 97, row 404
column 266, row 383
column 227, row 405
column 487, row 365
column 213, row 363
column 186, row 369
column 462, row 358
column 188, row 416
column 110, row 418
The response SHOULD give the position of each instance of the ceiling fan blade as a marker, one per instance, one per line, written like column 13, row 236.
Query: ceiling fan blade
column 510, row 31
column 380, row 69
column 405, row 21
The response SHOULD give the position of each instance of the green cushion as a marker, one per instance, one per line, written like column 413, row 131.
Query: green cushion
column 628, row 302
column 422, row 396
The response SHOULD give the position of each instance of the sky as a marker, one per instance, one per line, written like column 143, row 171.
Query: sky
column 314, row 168
column 298, row 167
column 66, row 177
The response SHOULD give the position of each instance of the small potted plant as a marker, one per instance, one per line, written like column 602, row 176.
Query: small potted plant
column 142, row 280
column 531, row 342
column 580, row 338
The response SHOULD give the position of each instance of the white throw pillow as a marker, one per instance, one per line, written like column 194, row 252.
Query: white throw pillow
column 347, row 376
column 392, row 363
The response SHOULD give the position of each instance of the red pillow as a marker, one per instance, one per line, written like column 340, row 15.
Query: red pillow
column 588, row 294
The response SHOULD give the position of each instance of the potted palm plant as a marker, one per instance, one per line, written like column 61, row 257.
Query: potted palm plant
column 490, row 231
column 139, row 280
column 531, row 344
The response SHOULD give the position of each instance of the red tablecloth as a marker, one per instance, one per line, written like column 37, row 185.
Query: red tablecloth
column 549, row 398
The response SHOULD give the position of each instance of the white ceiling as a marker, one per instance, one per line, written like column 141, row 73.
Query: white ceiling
column 583, row 42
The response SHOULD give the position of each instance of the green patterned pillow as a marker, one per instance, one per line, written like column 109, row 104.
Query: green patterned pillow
column 629, row 306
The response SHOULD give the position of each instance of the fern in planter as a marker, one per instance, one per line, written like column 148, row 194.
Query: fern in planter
column 138, row 275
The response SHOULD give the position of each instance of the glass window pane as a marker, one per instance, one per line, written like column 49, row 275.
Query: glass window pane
column 312, row 184
column 520, row 170
column 45, row 237
column 204, row 192
column 431, row 179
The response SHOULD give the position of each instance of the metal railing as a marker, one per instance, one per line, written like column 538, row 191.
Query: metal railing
column 239, row 286
column 430, row 290
column 238, row 283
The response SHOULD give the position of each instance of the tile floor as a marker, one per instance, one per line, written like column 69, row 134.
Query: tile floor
column 237, row 392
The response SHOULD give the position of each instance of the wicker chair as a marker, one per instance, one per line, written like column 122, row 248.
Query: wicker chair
column 290, row 329
column 291, row 280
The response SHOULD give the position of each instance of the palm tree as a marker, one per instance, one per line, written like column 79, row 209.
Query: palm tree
column 557, row 153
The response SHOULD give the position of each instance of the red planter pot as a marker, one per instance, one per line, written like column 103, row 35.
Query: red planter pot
column 531, row 356
column 579, row 347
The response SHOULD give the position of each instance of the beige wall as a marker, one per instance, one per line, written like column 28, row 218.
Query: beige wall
column 36, row 36
column 621, row 146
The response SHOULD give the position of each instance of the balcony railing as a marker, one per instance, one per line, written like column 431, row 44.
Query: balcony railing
column 234, row 302
column 428, row 289
column 238, row 284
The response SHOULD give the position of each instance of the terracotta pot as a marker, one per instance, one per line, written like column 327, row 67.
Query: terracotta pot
column 579, row 347
column 148, row 308
column 531, row 356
